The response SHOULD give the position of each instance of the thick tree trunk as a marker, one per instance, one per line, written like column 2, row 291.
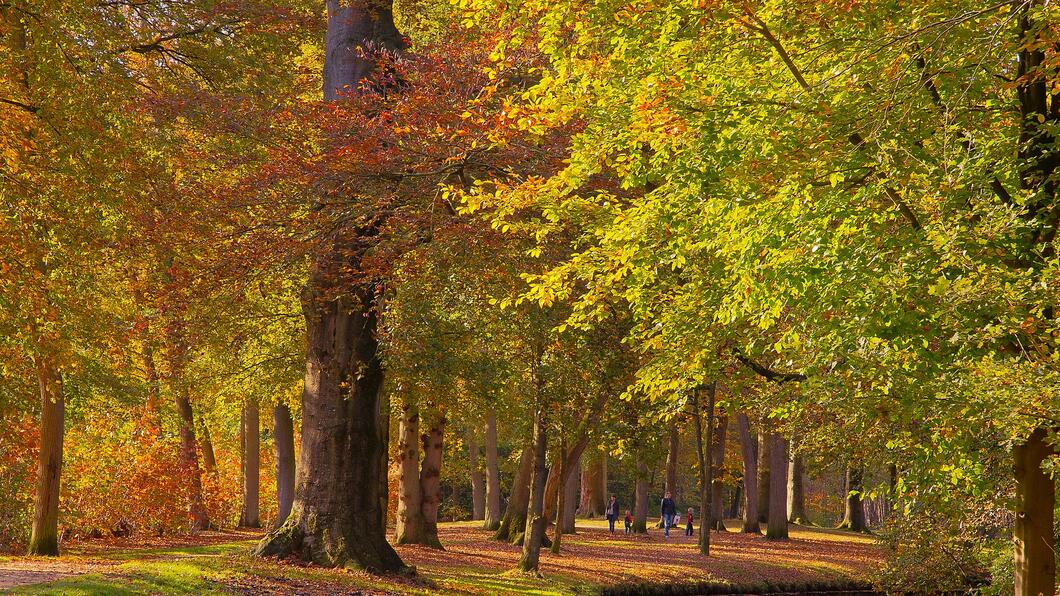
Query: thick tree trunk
column 1035, row 562
column 250, row 517
column 283, row 432
column 796, row 496
column 478, row 480
column 748, row 449
column 594, row 485
column 706, row 484
column 718, row 473
column 410, row 523
column 535, row 521
column 513, row 523
column 44, row 535
column 763, row 477
column 567, row 519
column 777, row 529
column 338, row 518
column 209, row 458
column 670, row 484
column 431, row 480
column 492, row 518
column 640, row 499
column 854, row 511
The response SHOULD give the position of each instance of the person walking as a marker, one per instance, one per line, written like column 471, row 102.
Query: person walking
column 688, row 527
column 612, row 513
column 629, row 522
column 668, row 510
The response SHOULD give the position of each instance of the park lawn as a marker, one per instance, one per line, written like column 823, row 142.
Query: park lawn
column 219, row 563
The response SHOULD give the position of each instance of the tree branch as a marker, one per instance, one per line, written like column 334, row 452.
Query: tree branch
column 768, row 373
column 19, row 104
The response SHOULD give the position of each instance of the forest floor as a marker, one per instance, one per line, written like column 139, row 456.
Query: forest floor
column 219, row 563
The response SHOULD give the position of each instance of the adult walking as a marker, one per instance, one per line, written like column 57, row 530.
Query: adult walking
column 612, row 513
column 668, row 509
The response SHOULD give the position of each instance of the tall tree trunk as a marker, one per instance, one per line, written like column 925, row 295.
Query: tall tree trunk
column 1035, row 562
column 153, row 414
column 718, row 473
column 561, row 498
column 250, row 517
column 854, row 511
column 670, row 485
column 283, row 431
column 706, row 482
column 209, row 458
column 410, row 523
column 478, row 480
column 560, row 473
column 513, row 523
column 44, row 535
column 1034, row 550
column 748, row 448
column 777, row 529
column 535, row 520
column 594, row 485
column 640, row 499
column 492, row 518
column 567, row 520
column 338, row 518
column 189, row 460
column 431, row 480
column 763, row 477
column 796, row 496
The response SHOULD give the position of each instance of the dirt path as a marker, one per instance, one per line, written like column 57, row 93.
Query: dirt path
column 15, row 573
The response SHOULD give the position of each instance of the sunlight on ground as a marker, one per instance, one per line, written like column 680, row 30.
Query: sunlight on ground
column 471, row 564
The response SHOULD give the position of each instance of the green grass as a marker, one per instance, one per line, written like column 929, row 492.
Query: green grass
column 140, row 577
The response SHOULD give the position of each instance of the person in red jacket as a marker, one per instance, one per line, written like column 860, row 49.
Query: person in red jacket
column 688, row 528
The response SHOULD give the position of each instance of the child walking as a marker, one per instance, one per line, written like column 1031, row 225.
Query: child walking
column 688, row 528
column 629, row 522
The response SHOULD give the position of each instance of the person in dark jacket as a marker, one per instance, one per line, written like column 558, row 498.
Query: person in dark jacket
column 668, row 509
column 612, row 512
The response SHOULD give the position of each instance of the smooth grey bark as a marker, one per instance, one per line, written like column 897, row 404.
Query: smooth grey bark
column 706, row 481
column 492, row 517
column 534, row 532
column 431, row 479
column 251, row 447
column 478, row 480
column 419, row 480
column 513, row 522
column 640, row 499
column 777, row 528
column 594, row 485
column 854, row 508
column 796, row 496
column 567, row 523
column 763, row 477
column 670, row 484
column 748, row 449
column 717, row 491
column 283, row 433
